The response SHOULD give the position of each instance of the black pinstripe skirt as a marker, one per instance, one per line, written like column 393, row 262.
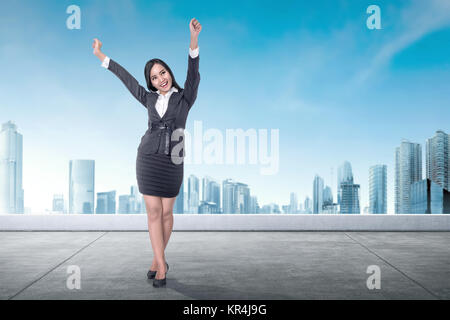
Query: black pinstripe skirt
column 158, row 175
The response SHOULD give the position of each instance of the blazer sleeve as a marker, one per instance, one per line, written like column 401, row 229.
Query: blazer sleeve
column 192, row 81
column 129, row 81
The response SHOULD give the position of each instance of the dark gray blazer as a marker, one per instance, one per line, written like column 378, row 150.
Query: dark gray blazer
column 157, row 138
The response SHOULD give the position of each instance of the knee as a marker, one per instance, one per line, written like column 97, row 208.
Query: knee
column 154, row 212
column 167, row 214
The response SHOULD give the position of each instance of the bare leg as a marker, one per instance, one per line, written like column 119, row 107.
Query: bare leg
column 155, row 229
column 167, row 222
column 167, row 218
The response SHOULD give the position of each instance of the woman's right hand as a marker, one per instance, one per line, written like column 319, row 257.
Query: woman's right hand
column 97, row 45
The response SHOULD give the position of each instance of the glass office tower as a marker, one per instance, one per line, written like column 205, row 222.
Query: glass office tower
column 378, row 189
column 317, row 195
column 408, row 169
column 349, row 198
column 81, row 186
column 211, row 194
column 438, row 159
column 345, row 174
column 106, row 202
column 11, row 192
column 193, row 194
column 427, row 197
column 229, row 196
column 178, row 206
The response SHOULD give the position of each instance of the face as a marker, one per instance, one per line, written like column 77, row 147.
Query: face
column 160, row 78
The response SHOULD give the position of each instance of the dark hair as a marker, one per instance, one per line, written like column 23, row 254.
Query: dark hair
column 148, row 67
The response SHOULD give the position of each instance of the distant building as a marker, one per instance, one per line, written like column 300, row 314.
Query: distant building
column 81, row 186
column 327, row 196
column 211, row 192
column 270, row 208
column 408, row 169
column 317, row 195
column 11, row 150
column 207, row 207
column 193, row 194
column 229, row 203
column 58, row 203
column 428, row 197
column 242, row 198
column 124, row 204
column 254, row 207
column 106, row 202
column 349, row 198
column 179, row 201
column 308, row 205
column 330, row 208
column 293, row 204
column 135, row 200
column 378, row 189
column 345, row 174
column 438, row 159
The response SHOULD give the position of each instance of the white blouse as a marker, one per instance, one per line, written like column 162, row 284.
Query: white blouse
column 163, row 100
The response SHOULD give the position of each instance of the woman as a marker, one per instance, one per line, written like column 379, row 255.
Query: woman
column 159, row 171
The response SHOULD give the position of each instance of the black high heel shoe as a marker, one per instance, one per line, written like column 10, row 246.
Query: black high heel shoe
column 159, row 282
column 151, row 274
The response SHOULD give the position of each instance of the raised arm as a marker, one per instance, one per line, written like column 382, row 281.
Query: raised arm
column 193, row 75
column 128, row 80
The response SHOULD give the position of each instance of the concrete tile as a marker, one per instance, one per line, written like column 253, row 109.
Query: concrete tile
column 227, row 265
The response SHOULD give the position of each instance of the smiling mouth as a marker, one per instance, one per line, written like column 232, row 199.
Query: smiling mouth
column 164, row 85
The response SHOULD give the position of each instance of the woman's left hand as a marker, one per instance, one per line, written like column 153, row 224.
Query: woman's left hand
column 195, row 27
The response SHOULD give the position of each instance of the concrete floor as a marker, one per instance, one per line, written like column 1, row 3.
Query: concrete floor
column 227, row 265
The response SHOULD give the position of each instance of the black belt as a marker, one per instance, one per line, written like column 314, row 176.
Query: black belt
column 167, row 134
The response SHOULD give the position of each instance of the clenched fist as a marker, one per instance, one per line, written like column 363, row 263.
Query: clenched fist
column 195, row 27
column 97, row 45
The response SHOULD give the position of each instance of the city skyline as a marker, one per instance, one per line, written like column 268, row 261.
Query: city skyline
column 342, row 91
column 236, row 196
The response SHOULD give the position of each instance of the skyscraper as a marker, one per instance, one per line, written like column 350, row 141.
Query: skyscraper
column 317, row 195
column 81, row 186
column 193, row 194
column 106, row 202
column 429, row 197
column 349, row 198
column 242, row 197
column 345, row 174
column 408, row 169
column 254, row 207
column 178, row 206
column 438, row 159
column 327, row 196
column 293, row 204
column 11, row 192
column 211, row 193
column 135, row 200
column 308, row 205
column 228, row 196
column 124, row 204
column 328, row 206
column 378, row 189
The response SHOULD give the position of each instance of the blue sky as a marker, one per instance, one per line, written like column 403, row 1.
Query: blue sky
column 335, row 89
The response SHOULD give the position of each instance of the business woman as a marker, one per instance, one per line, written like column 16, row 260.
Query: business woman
column 159, row 165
